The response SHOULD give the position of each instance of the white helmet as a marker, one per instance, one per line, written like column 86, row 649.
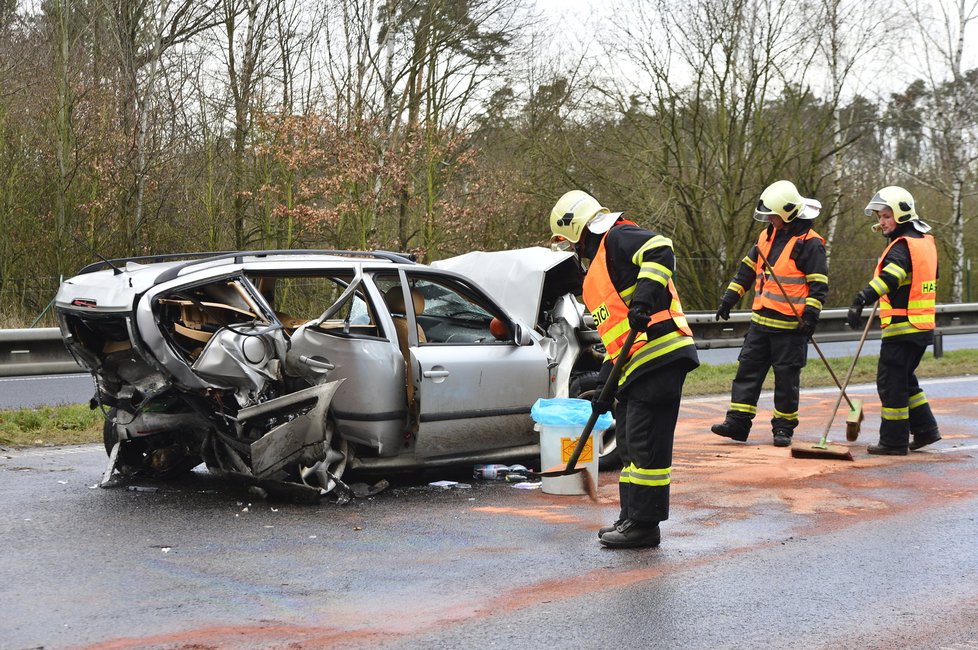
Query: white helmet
column 575, row 210
column 783, row 199
column 901, row 202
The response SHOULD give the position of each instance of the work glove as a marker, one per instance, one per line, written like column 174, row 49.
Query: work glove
column 600, row 406
column 854, row 317
column 638, row 317
column 809, row 320
column 726, row 303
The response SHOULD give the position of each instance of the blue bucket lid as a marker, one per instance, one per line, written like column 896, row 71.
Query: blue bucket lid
column 567, row 411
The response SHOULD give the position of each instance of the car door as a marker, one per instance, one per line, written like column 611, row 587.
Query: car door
column 474, row 381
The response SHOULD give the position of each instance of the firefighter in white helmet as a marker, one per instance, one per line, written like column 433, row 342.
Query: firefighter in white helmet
column 905, row 284
column 629, row 286
column 776, row 338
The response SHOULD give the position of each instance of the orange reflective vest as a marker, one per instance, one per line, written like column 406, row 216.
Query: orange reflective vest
column 610, row 314
column 922, row 303
column 767, row 294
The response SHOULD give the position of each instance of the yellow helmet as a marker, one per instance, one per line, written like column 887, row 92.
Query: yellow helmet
column 897, row 199
column 901, row 202
column 782, row 198
column 572, row 212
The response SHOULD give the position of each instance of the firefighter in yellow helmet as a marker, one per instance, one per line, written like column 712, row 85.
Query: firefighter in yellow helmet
column 776, row 338
column 629, row 286
column 905, row 284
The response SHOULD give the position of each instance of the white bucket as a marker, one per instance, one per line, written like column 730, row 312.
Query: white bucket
column 557, row 443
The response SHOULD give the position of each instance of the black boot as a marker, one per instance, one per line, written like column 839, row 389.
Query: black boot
column 608, row 529
column 731, row 430
column 782, row 437
column 633, row 534
column 924, row 438
column 887, row 450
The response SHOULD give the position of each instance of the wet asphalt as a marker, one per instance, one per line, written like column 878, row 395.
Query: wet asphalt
column 761, row 551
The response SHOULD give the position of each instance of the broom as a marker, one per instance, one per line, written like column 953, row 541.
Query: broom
column 823, row 449
column 855, row 416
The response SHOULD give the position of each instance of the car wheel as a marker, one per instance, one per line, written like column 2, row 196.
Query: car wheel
column 326, row 472
column 163, row 459
column 583, row 387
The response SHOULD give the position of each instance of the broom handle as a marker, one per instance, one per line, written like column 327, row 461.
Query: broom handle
column 852, row 366
column 609, row 386
column 794, row 310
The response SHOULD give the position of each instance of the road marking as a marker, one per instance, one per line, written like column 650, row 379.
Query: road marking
column 33, row 377
column 948, row 450
column 61, row 451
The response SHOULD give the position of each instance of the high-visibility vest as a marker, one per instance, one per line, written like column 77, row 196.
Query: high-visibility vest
column 610, row 312
column 766, row 291
column 922, row 303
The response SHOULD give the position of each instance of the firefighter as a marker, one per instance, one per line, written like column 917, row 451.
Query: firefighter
column 776, row 337
column 905, row 284
column 629, row 286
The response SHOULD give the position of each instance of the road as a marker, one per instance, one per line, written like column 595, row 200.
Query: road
column 49, row 390
column 761, row 550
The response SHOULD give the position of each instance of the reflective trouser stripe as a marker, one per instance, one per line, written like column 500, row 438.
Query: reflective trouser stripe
column 650, row 477
column 785, row 416
column 750, row 409
column 902, row 413
column 917, row 400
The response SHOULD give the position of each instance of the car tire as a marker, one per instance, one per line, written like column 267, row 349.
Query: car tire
column 583, row 386
column 133, row 458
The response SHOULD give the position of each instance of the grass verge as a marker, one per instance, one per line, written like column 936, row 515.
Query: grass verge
column 50, row 425
column 77, row 424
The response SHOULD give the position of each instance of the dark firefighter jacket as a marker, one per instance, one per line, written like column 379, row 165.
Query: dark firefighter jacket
column 809, row 257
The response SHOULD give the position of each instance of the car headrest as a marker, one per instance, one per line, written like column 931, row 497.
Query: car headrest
column 394, row 297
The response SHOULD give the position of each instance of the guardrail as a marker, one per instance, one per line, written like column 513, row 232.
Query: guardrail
column 40, row 351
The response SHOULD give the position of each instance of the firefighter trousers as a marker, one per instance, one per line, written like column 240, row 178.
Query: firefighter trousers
column 646, row 417
column 787, row 353
column 904, row 409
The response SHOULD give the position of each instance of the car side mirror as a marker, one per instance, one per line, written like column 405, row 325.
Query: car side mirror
column 523, row 336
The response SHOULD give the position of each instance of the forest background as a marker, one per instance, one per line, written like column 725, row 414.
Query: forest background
column 138, row 127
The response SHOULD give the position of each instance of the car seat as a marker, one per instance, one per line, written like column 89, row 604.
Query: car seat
column 394, row 297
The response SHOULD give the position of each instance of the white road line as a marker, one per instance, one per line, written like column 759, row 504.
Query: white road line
column 33, row 377
column 52, row 451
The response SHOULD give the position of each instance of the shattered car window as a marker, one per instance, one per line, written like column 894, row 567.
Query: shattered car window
column 299, row 299
column 451, row 316
column 192, row 315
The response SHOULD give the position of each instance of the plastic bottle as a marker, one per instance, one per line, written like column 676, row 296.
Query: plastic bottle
column 490, row 472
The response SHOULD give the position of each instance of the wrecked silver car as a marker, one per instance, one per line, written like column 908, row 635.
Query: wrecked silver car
column 287, row 369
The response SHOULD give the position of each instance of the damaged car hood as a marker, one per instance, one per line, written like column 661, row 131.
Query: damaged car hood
column 519, row 279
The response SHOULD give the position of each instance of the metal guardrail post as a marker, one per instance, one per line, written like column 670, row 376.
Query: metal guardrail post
column 39, row 351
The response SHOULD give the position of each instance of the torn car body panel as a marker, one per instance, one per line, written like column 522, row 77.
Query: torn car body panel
column 295, row 366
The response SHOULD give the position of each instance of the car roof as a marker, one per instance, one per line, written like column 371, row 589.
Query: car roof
column 171, row 266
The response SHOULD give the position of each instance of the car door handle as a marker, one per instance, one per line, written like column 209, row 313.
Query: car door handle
column 436, row 373
column 317, row 362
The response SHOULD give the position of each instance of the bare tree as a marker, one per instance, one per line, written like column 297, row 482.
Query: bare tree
column 144, row 31
column 952, row 127
column 845, row 48
column 722, row 110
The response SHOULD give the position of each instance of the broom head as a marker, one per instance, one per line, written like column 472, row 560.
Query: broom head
column 854, row 420
column 827, row 451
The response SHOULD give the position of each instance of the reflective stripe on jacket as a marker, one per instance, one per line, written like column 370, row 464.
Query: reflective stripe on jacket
column 922, row 302
column 610, row 312
column 767, row 294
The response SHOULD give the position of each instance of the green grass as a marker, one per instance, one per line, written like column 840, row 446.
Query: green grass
column 50, row 425
column 77, row 424
column 715, row 379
